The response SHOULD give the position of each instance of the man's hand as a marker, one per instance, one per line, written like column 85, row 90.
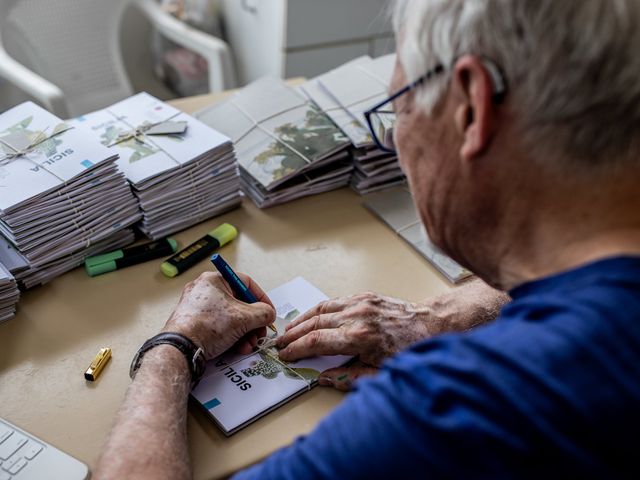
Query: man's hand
column 154, row 412
column 215, row 320
column 370, row 326
column 373, row 327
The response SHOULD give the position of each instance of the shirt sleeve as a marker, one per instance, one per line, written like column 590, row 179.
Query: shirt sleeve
column 421, row 416
column 548, row 390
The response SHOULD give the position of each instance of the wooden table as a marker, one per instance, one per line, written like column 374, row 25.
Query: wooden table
column 329, row 239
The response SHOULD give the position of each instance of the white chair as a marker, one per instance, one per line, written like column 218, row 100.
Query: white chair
column 66, row 53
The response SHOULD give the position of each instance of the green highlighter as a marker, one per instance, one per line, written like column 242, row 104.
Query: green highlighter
column 199, row 250
column 108, row 262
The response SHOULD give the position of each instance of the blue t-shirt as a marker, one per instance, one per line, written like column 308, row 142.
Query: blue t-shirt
column 551, row 388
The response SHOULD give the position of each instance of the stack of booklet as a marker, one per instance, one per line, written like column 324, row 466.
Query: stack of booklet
column 11, row 258
column 181, row 171
column 344, row 94
column 395, row 208
column 62, row 193
column 287, row 147
column 28, row 277
column 9, row 294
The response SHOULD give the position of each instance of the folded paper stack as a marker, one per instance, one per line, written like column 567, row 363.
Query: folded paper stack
column 287, row 147
column 344, row 94
column 182, row 171
column 11, row 258
column 29, row 277
column 9, row 294
column 61, row 192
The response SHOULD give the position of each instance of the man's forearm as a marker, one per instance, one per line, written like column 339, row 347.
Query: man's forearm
column 149, row 440
column 465, row 307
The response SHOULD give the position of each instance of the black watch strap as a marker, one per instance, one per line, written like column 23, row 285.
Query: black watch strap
column 193, row 354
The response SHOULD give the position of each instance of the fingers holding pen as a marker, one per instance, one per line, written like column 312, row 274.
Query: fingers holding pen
column 255, row 289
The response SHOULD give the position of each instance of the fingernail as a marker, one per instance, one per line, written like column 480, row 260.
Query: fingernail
column 325, row 381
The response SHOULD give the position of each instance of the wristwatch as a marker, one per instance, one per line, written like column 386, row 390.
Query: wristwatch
column 193, row 354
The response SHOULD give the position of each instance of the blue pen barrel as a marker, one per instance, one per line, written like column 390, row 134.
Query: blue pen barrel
column 239, row 288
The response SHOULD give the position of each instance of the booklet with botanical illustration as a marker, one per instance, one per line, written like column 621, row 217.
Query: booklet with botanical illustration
column 357, row 133
column 358, row 85
column 181, row 170
column 395, row 208
column 60, row 191
column 282, row 139
column 54, row 153
column 345, row 94
column 236, row 390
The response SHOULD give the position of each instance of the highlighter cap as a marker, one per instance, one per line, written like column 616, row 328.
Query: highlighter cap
column 94, row 269
column 104, row 263
column 224, row 233
column 168, row 269
column 173, row 243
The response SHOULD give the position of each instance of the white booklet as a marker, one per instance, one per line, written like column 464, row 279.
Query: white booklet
column 56, row 154
column 236, row 390
column 152, row 154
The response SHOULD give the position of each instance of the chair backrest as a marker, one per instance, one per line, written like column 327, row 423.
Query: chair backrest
column 73, row 44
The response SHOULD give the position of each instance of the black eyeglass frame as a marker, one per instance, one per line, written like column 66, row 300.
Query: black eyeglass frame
column 499, row 85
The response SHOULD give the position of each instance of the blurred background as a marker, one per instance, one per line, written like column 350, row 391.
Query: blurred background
column 74, row 57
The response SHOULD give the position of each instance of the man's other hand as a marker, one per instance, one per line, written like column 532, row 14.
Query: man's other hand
column 373, row 327
column 370, row 326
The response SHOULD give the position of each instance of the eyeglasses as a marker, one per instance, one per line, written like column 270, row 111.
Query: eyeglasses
column 381, row 118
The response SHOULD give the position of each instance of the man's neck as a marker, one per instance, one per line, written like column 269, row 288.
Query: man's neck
column 567, row 229
column 572, row 254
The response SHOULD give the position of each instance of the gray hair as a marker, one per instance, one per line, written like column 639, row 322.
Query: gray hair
column 572, row 67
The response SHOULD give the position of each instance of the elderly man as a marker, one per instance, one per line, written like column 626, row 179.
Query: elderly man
column 518, row 126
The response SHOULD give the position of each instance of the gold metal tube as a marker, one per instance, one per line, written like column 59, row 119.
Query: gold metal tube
column 98, row 364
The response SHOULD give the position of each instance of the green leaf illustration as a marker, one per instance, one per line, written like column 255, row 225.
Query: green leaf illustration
column 291, row 315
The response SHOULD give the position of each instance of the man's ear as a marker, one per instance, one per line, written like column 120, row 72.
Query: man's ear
column 474, row 116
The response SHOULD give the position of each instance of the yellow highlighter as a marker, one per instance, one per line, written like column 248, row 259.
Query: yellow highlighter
column 199, row 250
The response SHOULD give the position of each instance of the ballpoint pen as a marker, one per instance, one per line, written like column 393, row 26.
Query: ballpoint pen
column 239, row 288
